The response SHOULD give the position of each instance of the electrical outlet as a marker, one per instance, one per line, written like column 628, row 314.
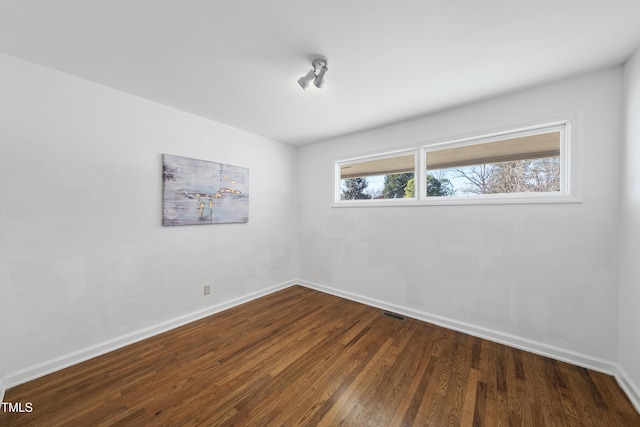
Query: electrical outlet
column 207, row 289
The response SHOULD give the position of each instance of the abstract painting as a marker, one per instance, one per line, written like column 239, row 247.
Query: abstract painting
column 203, row 192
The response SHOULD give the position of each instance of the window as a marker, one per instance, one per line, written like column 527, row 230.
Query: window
column 377, row 178
column 518, row 166
column 518, row 162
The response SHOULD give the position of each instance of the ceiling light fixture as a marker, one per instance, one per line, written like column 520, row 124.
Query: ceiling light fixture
column 316, row 74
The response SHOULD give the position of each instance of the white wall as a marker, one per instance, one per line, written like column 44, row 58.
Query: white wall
column 546, row 273
column 630, row 231
column 83, row 256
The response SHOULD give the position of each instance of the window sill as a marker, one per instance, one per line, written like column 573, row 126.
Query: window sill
column 496, row 199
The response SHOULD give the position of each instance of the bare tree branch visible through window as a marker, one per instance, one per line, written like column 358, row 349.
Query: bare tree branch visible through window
column 522, row 176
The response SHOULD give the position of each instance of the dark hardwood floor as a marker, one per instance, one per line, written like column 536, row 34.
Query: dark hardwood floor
column 301, row 357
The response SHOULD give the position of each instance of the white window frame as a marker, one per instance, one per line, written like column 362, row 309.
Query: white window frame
column 380, row 156
column 570, row 168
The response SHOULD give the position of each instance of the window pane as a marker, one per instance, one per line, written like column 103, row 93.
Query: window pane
column 512, row 165
column 385, row 178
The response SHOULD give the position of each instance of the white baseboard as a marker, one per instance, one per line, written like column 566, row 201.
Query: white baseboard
column 2, row 390
column 536, row 347
column 45, row 368
column 628, row 386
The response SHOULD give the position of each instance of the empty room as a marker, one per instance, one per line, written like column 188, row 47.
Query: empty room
column 297, row 213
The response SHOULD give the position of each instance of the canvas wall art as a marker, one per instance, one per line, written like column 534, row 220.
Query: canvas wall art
column 202, row 192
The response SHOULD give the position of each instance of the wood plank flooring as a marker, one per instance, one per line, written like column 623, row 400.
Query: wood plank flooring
column 301, row 357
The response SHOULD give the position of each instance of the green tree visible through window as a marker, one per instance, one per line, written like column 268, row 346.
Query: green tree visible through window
column 435, row 187
column 395, row 184
column 354, row 189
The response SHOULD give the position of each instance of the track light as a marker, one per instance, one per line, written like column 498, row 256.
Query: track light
column 316, row 74
column 304, row 81
column 319, row 81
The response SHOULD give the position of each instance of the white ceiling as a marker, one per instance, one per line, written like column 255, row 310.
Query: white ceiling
column 237, row 62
